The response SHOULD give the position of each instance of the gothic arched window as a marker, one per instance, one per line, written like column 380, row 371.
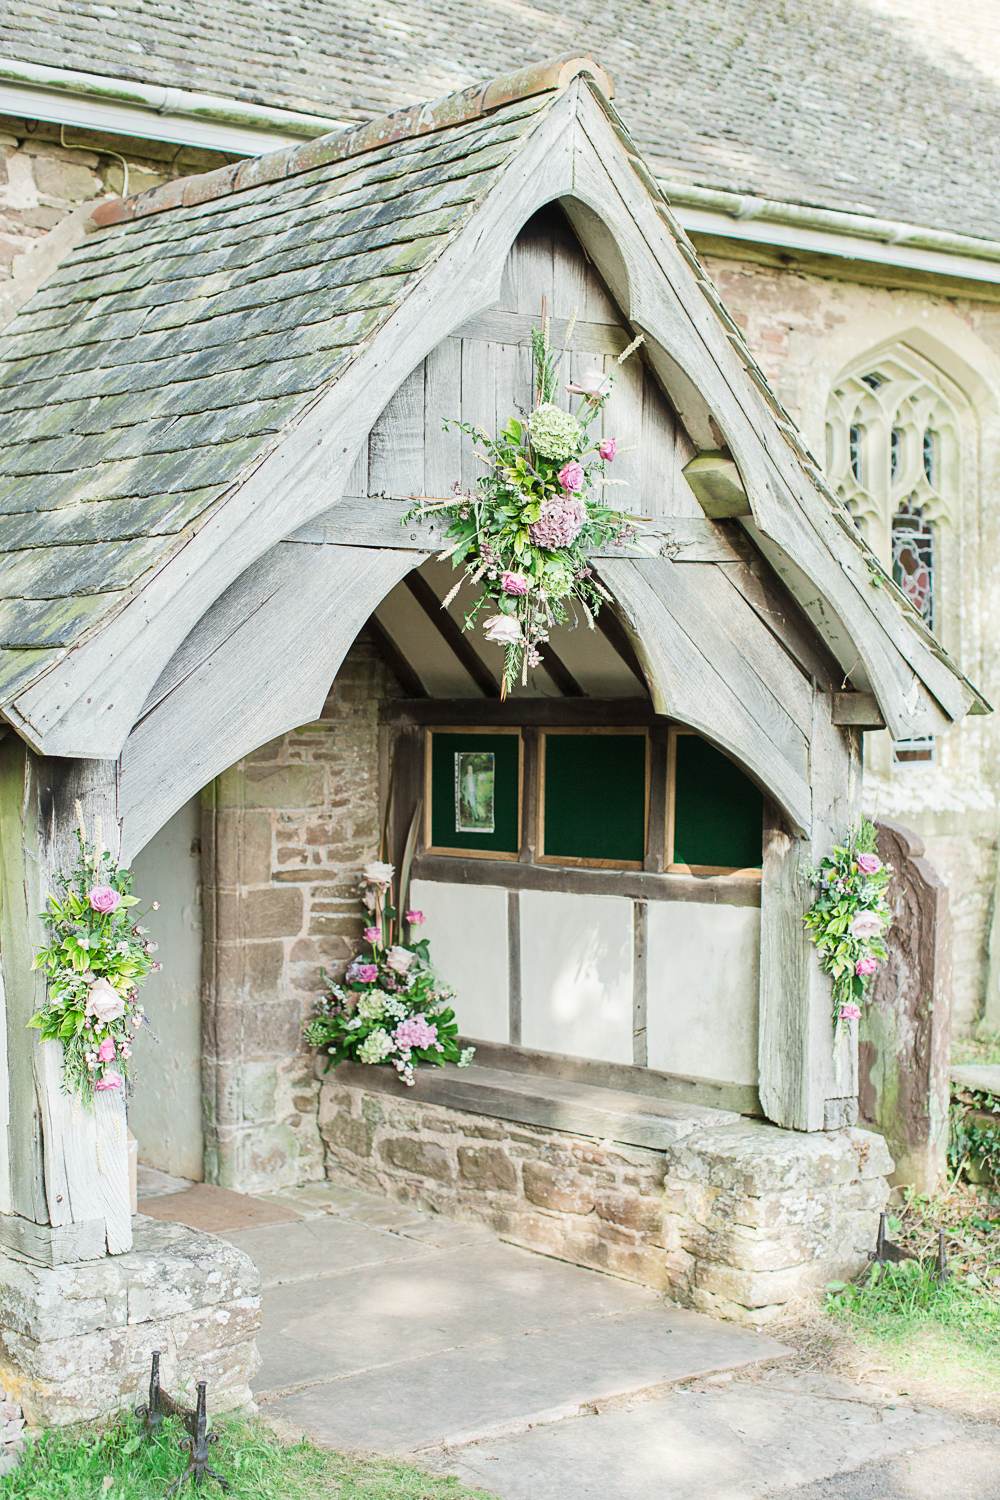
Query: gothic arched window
column 893, row 456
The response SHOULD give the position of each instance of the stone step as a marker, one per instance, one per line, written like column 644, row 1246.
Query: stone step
column 554, row 1103
column 510, row 1385
column 981, row 1078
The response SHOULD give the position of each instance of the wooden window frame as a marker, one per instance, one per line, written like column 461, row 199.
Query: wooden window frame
column 452, row 729
column 579, row 861
column 671, row 867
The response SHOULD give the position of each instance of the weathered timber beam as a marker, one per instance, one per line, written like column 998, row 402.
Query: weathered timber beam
column 374, row 521
column 540, row 712
column 859, row 710
column 452, row 634
column 403, row 670
column 638, row 885
column 559, row 672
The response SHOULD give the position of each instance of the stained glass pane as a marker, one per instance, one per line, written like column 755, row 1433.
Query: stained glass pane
column 913, row 560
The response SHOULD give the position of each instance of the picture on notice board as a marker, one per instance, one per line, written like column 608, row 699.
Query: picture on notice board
column 474, row 791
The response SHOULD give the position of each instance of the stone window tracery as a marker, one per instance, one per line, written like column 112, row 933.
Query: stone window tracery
column 893, row 456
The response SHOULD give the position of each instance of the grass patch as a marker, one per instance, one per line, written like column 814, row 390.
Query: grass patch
column 121, row 1465
column 948, row 1336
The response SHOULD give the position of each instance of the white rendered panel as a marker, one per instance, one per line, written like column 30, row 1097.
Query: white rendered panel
column 703, row 982
column 467, row 929
column 165, row 1112
column 576, row 974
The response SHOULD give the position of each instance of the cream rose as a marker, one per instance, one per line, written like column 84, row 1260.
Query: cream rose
column 104, row 1002
column 399, row 959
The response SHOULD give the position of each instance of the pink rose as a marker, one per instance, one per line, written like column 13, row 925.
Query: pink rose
column 103, row 899
column 109, row 1081
column 514, row 583
column 850, row 1012
column 399, row 959
column 106, row 1050
column 571, row 475
column 414, row 917
column 104, row 1002
column 593, row 384
column 866, row 965
column 367, row 973
column 372, row 934
column 607, row 449
column 503, row 630
column 869, row 864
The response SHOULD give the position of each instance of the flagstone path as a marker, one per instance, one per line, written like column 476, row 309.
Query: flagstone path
column 389, row 1330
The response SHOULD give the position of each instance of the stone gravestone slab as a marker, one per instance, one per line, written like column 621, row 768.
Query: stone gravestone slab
column 904, row 1039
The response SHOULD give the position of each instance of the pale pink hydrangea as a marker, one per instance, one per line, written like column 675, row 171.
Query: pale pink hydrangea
column 560, row 522
column 416, row 1031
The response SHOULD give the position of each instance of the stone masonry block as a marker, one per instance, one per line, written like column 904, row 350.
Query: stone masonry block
column 284, row 786
column 558, row 1189
column 243, row 847
column 273, row 913
column 422, row 1158
column 75, row 1341
column 348, row 1134
column 760, row 1288
column 628, row 1209
column 487, row 1167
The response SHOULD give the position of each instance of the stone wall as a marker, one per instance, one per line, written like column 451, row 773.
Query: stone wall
column 47, row 189
column 285, row 833
column 737, row 1220
column 76, row 1340
column 804, row 329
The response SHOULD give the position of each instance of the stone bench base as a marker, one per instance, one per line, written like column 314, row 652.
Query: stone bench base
column 735, row 1219
column 76, row 1340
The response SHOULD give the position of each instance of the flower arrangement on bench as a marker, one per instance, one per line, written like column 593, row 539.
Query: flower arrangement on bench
column 94, row 961
column 524, row 538
column 849, row 919
column 391, row 1008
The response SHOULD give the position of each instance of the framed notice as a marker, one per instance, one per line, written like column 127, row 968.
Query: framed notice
column 715, row 813
column 472, row 792
column 593, row 797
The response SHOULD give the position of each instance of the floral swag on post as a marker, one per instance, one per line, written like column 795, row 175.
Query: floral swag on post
column 849, row 919
column 94, row 962
column 391, row 1007
column 524, row 538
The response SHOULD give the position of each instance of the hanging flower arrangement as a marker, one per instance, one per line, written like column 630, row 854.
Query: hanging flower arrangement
column 94, row 961
column 391, row 1008
column 849, row 920
column 524, row 536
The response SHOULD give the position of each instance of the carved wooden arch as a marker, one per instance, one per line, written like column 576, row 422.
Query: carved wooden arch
column 88, row 705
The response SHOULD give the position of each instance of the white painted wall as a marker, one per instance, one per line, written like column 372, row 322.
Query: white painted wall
column 703, row 981
column 576, row 974
column 165, row 1114
column 467, row 929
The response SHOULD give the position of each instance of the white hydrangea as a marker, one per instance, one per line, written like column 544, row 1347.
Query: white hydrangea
column 376, row 1046
column 554, row 433
column 371, row 1006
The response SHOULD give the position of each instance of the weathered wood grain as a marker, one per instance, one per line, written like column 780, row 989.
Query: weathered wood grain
column 54, row 1245
column 308, row 622
column 712, row 890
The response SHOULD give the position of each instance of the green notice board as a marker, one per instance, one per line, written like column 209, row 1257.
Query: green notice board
column 594, row 801
column 718, row 812
column 475, row 792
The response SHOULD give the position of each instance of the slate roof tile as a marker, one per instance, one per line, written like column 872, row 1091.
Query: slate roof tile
column 889, row 107
column 166, row 356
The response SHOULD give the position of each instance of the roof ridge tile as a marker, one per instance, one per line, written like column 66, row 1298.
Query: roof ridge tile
column 550, row 76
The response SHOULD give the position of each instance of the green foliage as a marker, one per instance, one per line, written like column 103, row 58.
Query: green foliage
column 849, row 918
column 523, row 537
column 69, row 1465
column 974, row 1142
column 88, row 944
column 984, row 1047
